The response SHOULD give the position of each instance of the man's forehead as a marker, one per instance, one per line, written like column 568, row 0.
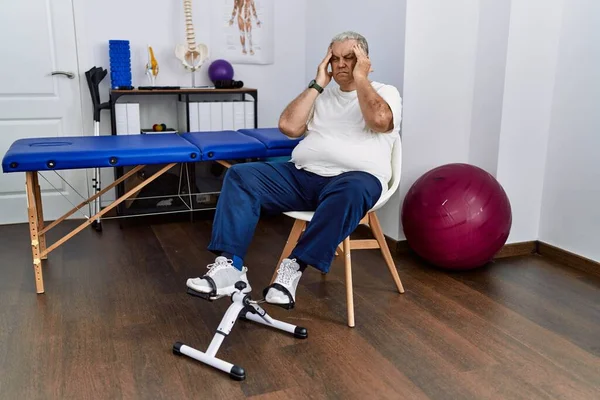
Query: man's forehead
column 343, row 48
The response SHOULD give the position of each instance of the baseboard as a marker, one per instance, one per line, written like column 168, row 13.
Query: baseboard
column 401, row 247
column 568, row 258
column 517, row 249
column 509, row 250
column 397, row 247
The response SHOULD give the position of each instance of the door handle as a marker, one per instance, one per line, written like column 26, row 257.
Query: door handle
column 69, row 75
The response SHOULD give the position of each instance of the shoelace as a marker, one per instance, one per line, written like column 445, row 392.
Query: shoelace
column 285, row 273
column 214, row 267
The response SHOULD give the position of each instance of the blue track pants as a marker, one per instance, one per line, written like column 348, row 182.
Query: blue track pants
column 251, row 189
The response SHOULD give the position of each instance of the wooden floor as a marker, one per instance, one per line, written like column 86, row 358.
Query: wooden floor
column 522, row 328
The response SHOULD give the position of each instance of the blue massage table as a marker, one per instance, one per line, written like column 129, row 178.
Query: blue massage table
column 33, row 155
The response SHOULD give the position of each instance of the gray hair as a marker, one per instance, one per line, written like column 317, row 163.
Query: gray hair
column 350, row 35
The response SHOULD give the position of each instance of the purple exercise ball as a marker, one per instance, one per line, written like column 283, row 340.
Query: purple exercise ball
column 220, row 70
column 456, row 216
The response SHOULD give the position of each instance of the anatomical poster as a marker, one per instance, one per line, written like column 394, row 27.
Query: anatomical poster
column 242, row 31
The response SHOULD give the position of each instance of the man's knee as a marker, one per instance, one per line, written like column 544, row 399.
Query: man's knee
column 250, row 176
column 237, row 174
column 359, row 196
column 242, row 170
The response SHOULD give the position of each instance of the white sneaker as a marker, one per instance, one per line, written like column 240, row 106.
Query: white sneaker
column 288, row 276
column 224, row 275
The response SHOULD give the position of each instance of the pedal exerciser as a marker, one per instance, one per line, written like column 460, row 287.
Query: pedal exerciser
column 242, row 306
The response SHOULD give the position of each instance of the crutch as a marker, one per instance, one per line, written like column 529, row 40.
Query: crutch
column 94, row 76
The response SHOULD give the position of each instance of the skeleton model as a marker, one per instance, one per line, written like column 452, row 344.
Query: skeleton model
column 191, row 55
column 151, row 66
column 245, row 9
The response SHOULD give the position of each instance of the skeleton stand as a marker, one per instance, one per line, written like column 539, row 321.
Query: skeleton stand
column 241, row 306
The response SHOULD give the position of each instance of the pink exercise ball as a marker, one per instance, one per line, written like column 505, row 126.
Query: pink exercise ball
column 456, row 216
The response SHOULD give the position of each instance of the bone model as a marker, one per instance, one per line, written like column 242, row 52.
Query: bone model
column 191, row 55
column 151, row 66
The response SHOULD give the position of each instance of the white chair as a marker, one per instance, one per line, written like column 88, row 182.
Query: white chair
column 303, row 217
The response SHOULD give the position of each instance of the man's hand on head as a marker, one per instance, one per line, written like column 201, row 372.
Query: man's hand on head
column 376, row 111
column 362, row 69
column 293, row 119
column 323, row 73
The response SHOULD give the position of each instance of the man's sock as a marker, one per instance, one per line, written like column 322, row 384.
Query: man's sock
column 301, row 263
column 237, row 262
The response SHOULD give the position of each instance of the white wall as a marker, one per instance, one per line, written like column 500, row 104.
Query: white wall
column 479, row 85
column 488, row 89
column 529, row 84
column 161, row 25
column 570, row 212
column 382, row 24
column 440, row 66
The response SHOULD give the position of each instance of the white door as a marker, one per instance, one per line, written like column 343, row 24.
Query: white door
column 37, row 38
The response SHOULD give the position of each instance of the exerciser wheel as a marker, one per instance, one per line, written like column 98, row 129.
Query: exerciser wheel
column 241, row 306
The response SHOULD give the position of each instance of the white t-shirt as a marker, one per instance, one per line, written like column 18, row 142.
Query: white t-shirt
column 338, row 140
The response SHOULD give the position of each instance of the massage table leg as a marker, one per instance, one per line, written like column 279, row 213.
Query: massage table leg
column 33, row 215
column 38, row 230
column 40, row 214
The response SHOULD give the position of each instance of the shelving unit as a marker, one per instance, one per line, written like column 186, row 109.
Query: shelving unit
column 171, row 192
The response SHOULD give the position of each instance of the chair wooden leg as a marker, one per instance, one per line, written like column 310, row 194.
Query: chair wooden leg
column 378, row 233
column 339, row 250
column 349, row 293
column 295, row 233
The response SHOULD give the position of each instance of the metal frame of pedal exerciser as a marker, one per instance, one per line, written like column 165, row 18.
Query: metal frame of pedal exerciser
column 242, row 306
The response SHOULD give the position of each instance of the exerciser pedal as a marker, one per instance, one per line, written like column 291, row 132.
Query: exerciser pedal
column 205, row 296
column 242, row 306
column 282, row 289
